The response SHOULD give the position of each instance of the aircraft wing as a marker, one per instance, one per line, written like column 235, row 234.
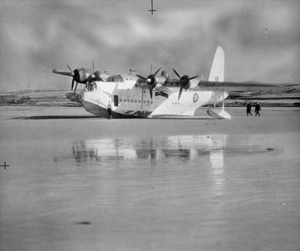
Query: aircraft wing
column 236, row 86
column 69, row 74
column 232, row 87
column 204, row 85
column 173, row 85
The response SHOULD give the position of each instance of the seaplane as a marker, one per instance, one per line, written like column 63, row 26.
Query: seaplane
column 158, row 96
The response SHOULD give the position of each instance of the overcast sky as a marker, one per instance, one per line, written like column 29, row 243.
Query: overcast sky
column 261, row 39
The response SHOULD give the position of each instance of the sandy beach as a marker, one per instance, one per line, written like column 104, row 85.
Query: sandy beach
column 77, row 182
column 71, row 181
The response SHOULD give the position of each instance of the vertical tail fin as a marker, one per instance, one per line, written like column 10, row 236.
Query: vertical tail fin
column 217, row 67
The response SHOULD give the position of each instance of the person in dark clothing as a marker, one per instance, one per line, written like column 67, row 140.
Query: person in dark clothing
column 257, row 109
column 109, row 110
column 249, row 109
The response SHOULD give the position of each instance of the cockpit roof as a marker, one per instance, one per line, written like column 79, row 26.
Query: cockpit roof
column 115, row 78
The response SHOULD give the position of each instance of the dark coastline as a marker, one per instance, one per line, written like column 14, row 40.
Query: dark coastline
column 288, row 97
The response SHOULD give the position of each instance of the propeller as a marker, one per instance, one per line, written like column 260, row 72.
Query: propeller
column 95, row 76
column 76, row 77
column 83, row 77
column 151, row 81
column 184, row 82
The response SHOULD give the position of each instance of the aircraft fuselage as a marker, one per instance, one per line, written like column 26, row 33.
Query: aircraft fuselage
column 133, row 100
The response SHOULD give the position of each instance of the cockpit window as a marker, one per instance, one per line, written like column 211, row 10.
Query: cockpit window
column 115, row 78
column 91, row 87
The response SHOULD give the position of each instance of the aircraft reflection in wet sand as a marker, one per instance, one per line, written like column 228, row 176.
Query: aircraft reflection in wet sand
column 177, row 147
column 180, row 151
column 155, row 151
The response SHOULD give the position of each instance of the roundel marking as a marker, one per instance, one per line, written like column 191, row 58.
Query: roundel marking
column 195, row 97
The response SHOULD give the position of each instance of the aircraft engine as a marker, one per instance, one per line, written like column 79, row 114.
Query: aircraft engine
column 184, row 82
column 78, row 77
column 151, row 81
column 96, row 76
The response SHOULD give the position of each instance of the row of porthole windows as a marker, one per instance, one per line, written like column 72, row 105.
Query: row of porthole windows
column 136, row 101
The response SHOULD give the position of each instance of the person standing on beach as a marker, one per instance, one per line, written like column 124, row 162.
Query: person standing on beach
column 249, row 109
column 109, row 110
column 257, row 109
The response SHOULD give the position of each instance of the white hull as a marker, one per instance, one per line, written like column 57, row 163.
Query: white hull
column 136, row 101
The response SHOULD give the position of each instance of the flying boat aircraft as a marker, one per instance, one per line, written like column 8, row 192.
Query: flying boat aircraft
column 159, row 96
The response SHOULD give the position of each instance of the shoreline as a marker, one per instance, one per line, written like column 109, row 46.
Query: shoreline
column 26, row 123
column 232, row 179
column 51, row 98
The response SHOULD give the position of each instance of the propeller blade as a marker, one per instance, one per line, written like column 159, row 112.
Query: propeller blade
column 72, row 84
column 70, row 68
column 157, row 71
column 93, row 65
column 142, row 77
column 76, row 87
column 176, row 72
column 193, row 77
column 180, row 91
column 150, row 90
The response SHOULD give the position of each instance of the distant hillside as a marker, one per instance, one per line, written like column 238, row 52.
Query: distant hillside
column 289, row 96
column 37, row 98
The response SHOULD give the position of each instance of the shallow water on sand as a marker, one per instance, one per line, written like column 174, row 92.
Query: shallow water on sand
column 74, row 185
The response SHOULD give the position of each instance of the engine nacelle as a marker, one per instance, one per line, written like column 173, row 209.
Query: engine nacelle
column 151, row 81
column 185, row 82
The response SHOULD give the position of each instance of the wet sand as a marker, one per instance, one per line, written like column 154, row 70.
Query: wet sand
column 77, row 182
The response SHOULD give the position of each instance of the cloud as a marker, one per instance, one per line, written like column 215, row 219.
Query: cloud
column 260, row 39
